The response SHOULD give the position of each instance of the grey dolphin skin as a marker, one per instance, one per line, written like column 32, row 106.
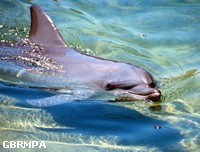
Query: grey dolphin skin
column 44, row 61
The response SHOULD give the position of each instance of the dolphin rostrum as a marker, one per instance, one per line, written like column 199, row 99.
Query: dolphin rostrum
column 44, row 61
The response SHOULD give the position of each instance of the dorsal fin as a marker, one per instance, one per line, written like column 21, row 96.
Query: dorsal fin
column 43, row 31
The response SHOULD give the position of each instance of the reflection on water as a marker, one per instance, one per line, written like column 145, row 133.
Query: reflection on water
column 161, row 36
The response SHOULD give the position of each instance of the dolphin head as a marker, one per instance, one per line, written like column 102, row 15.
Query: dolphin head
column 136, row 84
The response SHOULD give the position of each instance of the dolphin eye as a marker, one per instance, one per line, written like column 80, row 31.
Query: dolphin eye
column 110, row 86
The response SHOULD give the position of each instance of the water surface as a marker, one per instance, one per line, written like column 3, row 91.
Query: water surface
column 161, row 36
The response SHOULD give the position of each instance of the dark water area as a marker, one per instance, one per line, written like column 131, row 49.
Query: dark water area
column 161, row 36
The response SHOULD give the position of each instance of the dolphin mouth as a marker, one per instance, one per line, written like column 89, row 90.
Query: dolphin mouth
column 150, row 94
column 139, row 93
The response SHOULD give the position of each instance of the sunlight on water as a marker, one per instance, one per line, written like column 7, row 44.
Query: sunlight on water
column 161, row 36
column 25, row 123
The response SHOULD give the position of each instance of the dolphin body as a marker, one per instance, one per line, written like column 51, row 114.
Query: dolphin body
column 44, row 61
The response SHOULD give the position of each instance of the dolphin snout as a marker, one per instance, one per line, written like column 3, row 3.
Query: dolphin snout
column 155, row 96
column 147, row 93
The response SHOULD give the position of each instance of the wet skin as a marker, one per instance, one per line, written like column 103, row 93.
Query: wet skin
column 118, row 78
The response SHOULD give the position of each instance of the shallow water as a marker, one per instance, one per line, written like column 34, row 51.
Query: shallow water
column 161, row 36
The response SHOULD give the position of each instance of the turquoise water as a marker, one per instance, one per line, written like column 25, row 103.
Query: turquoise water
column 162, row 36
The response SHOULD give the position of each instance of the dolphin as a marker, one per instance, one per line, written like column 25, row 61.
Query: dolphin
column 44, row 61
